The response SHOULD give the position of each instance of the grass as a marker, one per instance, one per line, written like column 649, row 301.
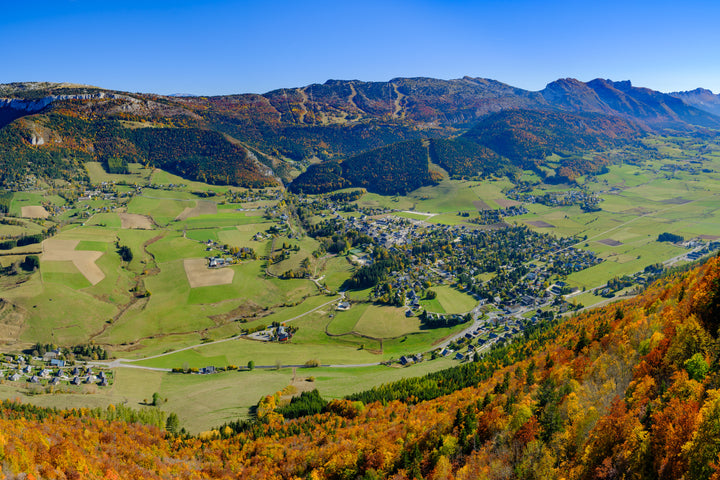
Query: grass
column 224, row 219
column 93, row 246
column 64, row 273
column 449, row 300
column 137, row 174
column 48, row 304
column 345, row 321
column 176, row 316
column 241, row 235
column 307, row 245
column 109, row 220
column 135, row 239
column 24, row 199
column 162, row 211
column 386, row 322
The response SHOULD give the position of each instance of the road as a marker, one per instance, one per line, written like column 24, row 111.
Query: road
column 128, row 363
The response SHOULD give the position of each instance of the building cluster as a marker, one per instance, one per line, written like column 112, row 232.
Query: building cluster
column 49, row 370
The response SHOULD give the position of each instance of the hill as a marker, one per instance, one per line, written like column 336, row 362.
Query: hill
column 625, row 391
column 50, row 130
column 700, row 98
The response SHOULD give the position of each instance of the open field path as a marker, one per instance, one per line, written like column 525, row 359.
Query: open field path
column 123, row 362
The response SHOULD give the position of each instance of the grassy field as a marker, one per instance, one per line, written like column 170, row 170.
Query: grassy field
column 638, row 203
column 138, row 174
column 449, row 300
column 204, row 402
column 162, row 211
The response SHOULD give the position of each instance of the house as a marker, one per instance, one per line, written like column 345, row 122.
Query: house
column 75, row 371
column 56, row 362
column 75, row 381
column 15, row 377
column 45, row 373
column 283, row 336
column 459, row 356
column 406, row 360
column 207, row 370
column 34, row 379
column 343, row 306
column 55, row 381
column 27, row 369
column 104, row 382
column 50, row 355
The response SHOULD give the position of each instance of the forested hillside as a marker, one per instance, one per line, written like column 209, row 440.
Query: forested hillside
column 474, row 126
column 395, row 169
column 629, row 390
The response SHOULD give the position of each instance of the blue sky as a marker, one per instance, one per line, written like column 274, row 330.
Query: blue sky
column 221, row 46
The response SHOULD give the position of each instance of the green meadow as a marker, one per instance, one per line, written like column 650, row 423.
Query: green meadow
column 146, row 307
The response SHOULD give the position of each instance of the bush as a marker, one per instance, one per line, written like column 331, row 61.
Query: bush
column 125, row 253
column 31, row 263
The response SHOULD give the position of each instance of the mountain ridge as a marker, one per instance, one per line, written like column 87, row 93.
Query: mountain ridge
column 339, row 120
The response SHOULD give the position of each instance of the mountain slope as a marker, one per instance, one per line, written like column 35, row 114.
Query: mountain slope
column 50, row 129
column 700, row 98
column 629, row 390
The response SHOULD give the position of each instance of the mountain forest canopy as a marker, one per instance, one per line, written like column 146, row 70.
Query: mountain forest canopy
column 628, row 390
column 383, row 136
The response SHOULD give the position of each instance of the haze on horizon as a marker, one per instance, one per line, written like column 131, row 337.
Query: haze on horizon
column 224, row 47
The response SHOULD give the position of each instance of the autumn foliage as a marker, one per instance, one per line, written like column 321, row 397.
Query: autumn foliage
column 606, row 394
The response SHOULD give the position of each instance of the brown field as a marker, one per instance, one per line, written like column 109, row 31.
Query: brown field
column 610, row 242
column 12, row 320
column 84, row 260
column 35, row 211
column 199, row 275
column 506, row 202
column 203, row 207
column 708, row 237
column 540, row 224
column 134, row 220
column 481, row 205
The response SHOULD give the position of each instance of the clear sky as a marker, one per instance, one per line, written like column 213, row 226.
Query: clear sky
column 217, row 47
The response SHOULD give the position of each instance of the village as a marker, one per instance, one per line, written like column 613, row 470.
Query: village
column 52, row 371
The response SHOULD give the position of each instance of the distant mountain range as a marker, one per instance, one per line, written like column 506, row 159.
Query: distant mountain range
column 389, row 137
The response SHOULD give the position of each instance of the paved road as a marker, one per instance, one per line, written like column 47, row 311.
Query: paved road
column 128, row 363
